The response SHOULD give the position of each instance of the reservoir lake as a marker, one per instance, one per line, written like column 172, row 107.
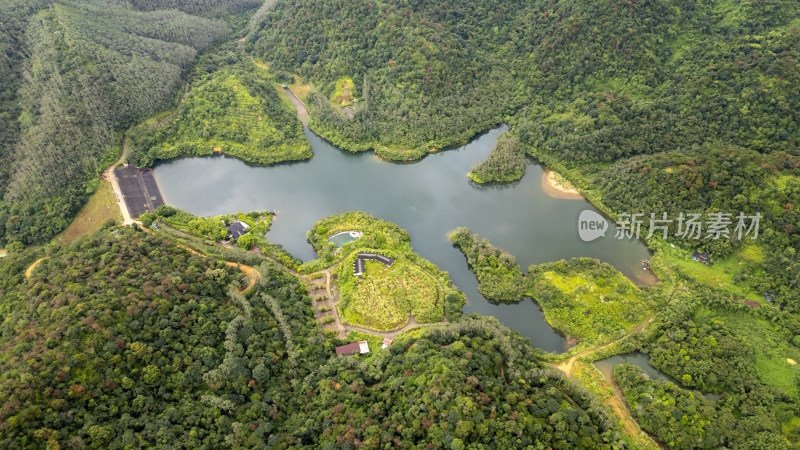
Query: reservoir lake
column 429, row 198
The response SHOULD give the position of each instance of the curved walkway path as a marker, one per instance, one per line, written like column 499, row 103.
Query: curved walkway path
column 334, row 298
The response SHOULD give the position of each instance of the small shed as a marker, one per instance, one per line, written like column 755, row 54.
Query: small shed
column 361, row 347
column 702, row 257
column 386, row 342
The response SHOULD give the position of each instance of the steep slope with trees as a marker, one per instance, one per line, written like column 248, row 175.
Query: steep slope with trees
column 125, row 338
column 78, row 72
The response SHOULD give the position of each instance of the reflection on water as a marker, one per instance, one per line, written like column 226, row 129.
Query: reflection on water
column 429, row 199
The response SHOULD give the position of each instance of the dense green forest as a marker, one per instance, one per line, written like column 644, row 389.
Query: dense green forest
column 146, row 337
column 499, row 275
column 74, row 74
column 709, row 344
column 601, row 74
column 126, row 339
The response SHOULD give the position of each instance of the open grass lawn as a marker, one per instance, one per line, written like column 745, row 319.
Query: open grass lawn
column 770, row 347
column 594, row 304
column 102, row 206
column 721, row 274
column 301, row 88
column 344, row 94
column 384, row 297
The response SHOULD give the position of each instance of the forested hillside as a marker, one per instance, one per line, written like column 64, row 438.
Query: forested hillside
column 232, row 107
column 74, row 74
column 124, row 338
column 600, row 73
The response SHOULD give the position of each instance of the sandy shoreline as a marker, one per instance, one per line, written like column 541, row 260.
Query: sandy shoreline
column 555, row 189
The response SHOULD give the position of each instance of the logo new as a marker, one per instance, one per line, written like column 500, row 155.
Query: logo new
column 591, row 225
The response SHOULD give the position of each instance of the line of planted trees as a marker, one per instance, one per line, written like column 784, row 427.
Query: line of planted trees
column 74, row 73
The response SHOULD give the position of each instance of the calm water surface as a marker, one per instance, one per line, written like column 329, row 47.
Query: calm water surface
column 641, row 361
column 428, row 198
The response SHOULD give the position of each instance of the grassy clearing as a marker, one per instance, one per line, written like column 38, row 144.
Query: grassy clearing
column 589, row 299
column 101, row 207
column 300, row 88
column 343, row 95
column 385, row 296
column 721, row 274
column 373, row 341
column 770, row 347
column 790, row 426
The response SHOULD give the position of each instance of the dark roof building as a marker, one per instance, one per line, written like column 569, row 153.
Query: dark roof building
column 702, row 257
column 237, row 229
column 358, row 267
column 353, row 348
column 358, row 264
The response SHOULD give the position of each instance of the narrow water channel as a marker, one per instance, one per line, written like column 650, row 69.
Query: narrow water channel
column 642, row 361
column 428, row 198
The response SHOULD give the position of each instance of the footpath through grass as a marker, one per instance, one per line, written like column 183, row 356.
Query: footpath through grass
column 101, row 207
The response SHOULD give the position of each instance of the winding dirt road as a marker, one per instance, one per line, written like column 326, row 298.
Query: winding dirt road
column 29, row 270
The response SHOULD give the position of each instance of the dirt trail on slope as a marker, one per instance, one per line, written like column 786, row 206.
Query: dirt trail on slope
column 29, row 270
column 566, row 366
column 617, row 401
column 249, row 271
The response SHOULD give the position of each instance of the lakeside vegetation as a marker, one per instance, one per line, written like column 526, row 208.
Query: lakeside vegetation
column 230, row 109
column 589, row 299
column 505, row 163
column 499, row 276
column 701, row 336
column 215, row 229
column 581, row 298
